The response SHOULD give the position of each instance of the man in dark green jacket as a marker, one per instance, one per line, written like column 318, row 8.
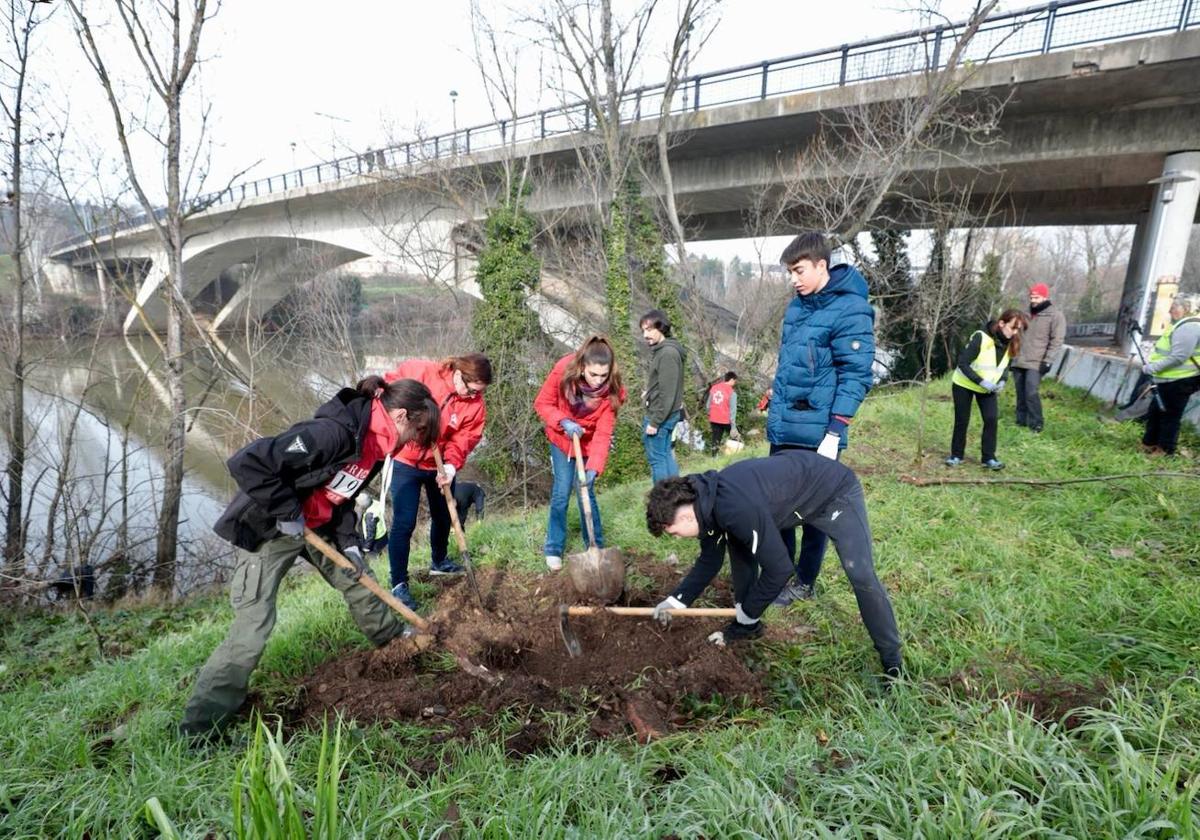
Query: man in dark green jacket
column 663, row 398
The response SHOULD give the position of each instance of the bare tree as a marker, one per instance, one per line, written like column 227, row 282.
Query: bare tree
column 20, row 21
column 165, row 38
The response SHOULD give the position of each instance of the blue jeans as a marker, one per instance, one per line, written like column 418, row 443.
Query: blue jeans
column 812, row 541
column 560, row 495
column 406, row 501
column 658, row 448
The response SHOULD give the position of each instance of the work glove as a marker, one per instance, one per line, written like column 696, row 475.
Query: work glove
column 989, row 386
column 589, row 477
column 448, row 473
column 660, row 613
column 1000, row 386
column 829, row 446
column 742, row 627
column 1044, row 368
column 355, row 556
column 291, row 527
column 572, row 428
column 1146, row 369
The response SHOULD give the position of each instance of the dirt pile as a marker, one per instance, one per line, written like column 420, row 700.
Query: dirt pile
column 634, row 677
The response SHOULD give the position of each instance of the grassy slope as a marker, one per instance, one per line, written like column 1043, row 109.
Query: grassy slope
column 996, row 589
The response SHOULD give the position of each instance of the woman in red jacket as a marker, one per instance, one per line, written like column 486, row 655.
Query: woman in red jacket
column 457, row 385
column 580, row 397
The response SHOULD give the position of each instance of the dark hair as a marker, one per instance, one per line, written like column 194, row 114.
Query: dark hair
column 421, row 411
column 475, row 367
column 730, row 375
column 657, row 319
column 810, row 246
column 665, row 500
column 596, row 350
column 1014, row 343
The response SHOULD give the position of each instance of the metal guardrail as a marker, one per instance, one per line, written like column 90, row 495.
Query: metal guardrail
column 1032, row 31
column 1086, row 330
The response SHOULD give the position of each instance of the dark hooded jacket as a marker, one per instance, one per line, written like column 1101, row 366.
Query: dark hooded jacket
column 664, row 384
column 744, row 507
column 275, row 474
column 825, row 357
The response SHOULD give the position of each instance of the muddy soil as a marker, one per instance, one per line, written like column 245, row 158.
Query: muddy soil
column 634, row 678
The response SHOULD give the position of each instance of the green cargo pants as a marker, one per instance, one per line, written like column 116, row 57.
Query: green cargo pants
column 223, row 681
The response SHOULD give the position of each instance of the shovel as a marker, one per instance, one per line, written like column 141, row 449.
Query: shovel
column 575, row 649
column 424, row 628
column 598, row 573
column 463, row 554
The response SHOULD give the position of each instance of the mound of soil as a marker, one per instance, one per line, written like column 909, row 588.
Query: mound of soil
column 634, row 675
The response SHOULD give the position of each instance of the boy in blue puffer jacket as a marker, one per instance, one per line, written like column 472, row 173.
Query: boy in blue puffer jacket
column 822, row 376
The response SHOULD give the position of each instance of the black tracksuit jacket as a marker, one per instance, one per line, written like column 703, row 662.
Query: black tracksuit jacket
column 746, row 505
column 275, row 474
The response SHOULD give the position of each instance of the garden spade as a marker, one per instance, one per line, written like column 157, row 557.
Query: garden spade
column 575, row 649
column 463, row 554
column 598, row 573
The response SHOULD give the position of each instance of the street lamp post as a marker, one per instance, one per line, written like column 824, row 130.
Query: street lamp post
column 332, row 134
column 454, row 117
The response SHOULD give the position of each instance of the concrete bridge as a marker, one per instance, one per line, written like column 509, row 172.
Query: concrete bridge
column 1099, row 133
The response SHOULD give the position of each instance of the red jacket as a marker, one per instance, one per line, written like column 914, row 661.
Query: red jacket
column 552, row 407
column 462, row 417
column 719, row 398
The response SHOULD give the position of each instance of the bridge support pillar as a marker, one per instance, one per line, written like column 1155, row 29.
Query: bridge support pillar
column 1170, row 226
column 154, row 278
column 1131, row 290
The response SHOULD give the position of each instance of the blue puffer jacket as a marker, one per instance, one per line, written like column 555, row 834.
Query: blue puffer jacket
column 825, row 357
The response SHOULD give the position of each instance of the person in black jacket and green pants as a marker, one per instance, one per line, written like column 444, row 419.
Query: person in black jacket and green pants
column 306, row 477
column 743, row 508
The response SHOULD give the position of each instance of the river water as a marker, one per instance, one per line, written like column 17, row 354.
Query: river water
column 96, row 414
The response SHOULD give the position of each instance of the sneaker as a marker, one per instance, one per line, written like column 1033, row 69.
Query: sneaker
column 794, row 592
column 736, row 632
column 1037, row 430
column 446, row 567
column 553, row 562
column 953, row 462
column 400, row 593
column 993, row 464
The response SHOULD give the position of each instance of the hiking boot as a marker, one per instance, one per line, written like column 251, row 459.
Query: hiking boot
column 953, row 461
column 794, row 592
column 446, row 567
column 400, row 593
column 736, row 631
column 993, row 464
column 553, row 562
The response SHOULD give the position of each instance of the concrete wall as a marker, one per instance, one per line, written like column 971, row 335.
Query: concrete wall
column 1108, row 376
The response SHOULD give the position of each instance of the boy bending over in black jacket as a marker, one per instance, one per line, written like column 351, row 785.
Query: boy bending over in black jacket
column 744, row 507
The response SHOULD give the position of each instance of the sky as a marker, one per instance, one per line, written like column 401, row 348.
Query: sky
column 289, row 82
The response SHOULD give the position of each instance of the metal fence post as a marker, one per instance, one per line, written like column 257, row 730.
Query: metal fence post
column 637, row 106
column 543, row 125
column 937, row 50
column 766, row 65
column 300, row 176
column 845, row 57
column 696, row 95
column 1185, row 15
column 503, row 131
column 408, row 153
column 468, row 150
column 1048, row 37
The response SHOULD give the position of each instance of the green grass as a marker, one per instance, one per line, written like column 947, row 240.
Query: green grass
column 1089, row 590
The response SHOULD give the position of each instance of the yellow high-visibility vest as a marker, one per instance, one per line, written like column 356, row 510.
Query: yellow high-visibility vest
column 985, row 364
column 1162, row 349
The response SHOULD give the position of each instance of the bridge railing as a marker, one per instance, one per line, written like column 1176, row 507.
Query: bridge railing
column 1031, row 31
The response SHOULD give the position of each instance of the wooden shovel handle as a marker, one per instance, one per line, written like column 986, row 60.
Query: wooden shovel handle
column 696, row 612
column 585, row 498
column 382, row 594
column 459, row 536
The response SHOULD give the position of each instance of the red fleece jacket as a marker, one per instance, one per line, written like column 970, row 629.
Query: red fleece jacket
column 552, row 407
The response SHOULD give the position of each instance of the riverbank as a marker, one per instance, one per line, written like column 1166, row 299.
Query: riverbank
column 1049, row 638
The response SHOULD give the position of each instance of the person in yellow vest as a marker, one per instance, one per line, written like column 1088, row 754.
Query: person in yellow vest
column 1175, row 366
column 979, row 375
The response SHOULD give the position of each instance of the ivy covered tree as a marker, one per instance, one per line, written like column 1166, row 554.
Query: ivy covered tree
column 506, row 329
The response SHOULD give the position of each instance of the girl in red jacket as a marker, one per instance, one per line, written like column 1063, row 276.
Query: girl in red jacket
column 457, row 385
column 580, row 397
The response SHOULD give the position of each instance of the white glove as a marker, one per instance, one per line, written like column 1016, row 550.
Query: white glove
column 989, row 386
column 829, row 446
column 448, row 471
column 291, row 527
column 741, row 617
column 999, row 386
column 717, row 638
column 660, row 613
